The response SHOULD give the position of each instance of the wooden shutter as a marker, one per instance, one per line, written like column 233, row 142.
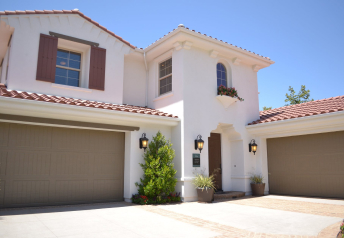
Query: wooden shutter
column 46, row 64
column 97, row 68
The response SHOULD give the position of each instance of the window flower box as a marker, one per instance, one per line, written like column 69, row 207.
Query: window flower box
column 227, row 96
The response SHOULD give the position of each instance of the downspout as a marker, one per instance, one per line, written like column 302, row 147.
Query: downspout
column 144, row 58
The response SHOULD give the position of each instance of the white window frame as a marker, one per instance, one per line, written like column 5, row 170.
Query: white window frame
column 63, row 67
column 165, row 76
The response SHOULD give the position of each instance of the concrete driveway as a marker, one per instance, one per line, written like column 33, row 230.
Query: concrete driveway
column 268, row 216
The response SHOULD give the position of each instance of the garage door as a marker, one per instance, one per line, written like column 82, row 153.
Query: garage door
column 309, row 165
column 43, row 165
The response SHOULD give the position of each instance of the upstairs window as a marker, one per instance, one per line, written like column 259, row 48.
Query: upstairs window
column 165, row 77
column 67, row 68
column 221, row 75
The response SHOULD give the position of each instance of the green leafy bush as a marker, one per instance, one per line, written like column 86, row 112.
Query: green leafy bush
column 256, row 179
column 143, row 200
column 158, row 182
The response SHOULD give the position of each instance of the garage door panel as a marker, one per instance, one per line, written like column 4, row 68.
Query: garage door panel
column 29, row 137
column 48, row 166
column 3, row 163
column 66, row 139
column 71, row 163
column 104, row 189
column 23, row 163
column 28, row 192
column 2, row 192
column 309, row 165
column 104, row 141
column 104, row 164
column 332, row 163
column 71, row 191
column 4, row 132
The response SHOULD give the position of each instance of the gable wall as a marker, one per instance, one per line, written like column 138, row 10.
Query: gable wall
column 24, row 53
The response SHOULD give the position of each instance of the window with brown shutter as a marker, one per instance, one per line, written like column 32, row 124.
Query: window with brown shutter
column 46, row 64
column 97, row 68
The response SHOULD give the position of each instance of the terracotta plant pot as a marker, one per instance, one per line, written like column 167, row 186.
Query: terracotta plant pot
column 206, row 195
column 340, row 235
column 258, row 189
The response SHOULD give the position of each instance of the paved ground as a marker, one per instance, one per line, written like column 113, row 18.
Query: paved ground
column 268, row 216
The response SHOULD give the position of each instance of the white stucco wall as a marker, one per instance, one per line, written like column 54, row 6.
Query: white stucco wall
column 24, row 53
column 134, row 83
column 193, row 99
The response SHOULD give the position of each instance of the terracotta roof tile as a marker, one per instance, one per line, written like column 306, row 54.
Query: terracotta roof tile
column 317, row 107
column 4, row 92
column 66, row 12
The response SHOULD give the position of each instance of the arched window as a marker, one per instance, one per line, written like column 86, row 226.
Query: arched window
column 221, row 75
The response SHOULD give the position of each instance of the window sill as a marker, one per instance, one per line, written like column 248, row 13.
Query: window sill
column 226, row 100
column 86, row 90
column 166, row 95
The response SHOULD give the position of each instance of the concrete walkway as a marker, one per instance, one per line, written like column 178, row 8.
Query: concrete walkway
column 266, row 216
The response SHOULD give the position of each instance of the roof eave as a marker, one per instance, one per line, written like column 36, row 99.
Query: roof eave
column 302, row 125
column 23, row 107
column 209, row 39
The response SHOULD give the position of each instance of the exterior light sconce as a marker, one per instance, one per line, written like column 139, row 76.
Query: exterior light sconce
column 252, row 147
column 199, row 143
column 143, row 142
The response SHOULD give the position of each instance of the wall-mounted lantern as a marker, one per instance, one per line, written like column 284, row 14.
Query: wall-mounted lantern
column 143, row 142
column 252, row 147
column 199, row 143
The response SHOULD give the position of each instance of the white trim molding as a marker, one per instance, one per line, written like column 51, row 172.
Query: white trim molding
column 236, row 61
column 177, row 45
column 213, row 53
column 256, row 68
column 187, row 45
column 162, row 96
column 67, row 87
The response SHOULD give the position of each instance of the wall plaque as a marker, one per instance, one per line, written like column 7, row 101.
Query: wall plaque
column 196, row 160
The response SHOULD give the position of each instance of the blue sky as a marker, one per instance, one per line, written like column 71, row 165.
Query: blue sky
column 304, row 37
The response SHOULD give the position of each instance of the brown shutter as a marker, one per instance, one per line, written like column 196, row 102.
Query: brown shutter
column 46, row 64
column 97, row 68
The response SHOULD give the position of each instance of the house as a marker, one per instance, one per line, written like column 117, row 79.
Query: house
column 75, row 99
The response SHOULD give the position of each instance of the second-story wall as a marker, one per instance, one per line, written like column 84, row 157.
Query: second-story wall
column 24, row 54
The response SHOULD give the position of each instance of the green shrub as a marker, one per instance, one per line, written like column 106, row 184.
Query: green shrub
column 256, row 179
column 143, row 200
column 205, row 182
column 158, row 181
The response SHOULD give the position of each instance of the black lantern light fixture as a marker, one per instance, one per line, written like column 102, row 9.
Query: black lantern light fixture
column 252, row 147
column 143, row 142
column 199, row 143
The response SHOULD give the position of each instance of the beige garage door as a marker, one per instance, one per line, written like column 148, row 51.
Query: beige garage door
column 309, row 165
column 43, row 165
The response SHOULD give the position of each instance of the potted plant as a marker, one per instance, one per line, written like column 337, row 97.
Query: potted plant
column 231, row 92
column 257, row 185
column 341, row 232
column 205, row 187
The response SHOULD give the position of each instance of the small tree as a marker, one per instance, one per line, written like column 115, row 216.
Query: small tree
column 266, row 108
column 301, row 97
column 158, row 179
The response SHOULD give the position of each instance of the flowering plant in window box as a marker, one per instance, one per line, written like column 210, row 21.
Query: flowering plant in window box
column 231, row 92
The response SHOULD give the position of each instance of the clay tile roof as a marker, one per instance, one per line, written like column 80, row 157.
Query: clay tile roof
column 4, row 92
column 66, row 12
column 193, row 31
column 317, row 107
